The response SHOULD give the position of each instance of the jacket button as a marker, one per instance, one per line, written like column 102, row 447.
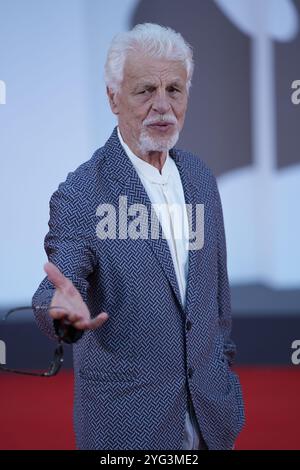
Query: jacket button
column 190, row 372
column 188, row 325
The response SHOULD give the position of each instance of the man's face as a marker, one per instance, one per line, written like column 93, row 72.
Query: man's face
column 151, row 103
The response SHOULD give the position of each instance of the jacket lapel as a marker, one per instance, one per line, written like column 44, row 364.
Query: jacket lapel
column 126, row 182
column 193, row 194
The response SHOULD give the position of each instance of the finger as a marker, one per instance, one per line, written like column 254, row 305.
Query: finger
column 98, row 321
column 92, row 324
column 55, row 275
column 58, row 314
column 74, row 317
column 71, row 319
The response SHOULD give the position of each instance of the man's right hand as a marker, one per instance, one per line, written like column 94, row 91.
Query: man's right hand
column 75, row 310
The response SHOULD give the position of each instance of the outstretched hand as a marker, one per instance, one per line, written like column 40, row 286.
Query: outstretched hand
column 74, row 309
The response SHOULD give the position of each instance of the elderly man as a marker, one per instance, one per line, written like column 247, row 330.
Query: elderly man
column 148, row 312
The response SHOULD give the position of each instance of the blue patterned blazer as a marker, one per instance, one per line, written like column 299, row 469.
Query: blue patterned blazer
column 133, row 373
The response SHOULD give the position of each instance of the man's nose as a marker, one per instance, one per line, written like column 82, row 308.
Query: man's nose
column 161, row 103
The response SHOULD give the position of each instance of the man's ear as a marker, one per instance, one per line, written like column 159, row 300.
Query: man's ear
column 112, row 100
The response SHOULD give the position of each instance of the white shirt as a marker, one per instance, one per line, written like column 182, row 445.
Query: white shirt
column 167, row 197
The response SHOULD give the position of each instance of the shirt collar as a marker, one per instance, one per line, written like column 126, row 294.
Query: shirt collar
column 144, row 168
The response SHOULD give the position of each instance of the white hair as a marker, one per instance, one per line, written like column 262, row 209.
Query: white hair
column 149, row 39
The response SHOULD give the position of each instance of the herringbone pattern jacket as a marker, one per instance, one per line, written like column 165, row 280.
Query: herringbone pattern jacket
column 132, row 374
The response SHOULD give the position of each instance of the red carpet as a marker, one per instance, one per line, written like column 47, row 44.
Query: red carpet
column 37, row 413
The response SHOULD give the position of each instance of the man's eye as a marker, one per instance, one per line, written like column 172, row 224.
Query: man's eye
column 146, row 91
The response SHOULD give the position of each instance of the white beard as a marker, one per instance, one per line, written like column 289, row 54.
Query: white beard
column 162, row 144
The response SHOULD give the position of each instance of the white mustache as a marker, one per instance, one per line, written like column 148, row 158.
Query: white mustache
column 168, row 119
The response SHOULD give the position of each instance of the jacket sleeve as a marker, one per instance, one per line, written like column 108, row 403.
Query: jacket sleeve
column 68, row 247
column 224, row 296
